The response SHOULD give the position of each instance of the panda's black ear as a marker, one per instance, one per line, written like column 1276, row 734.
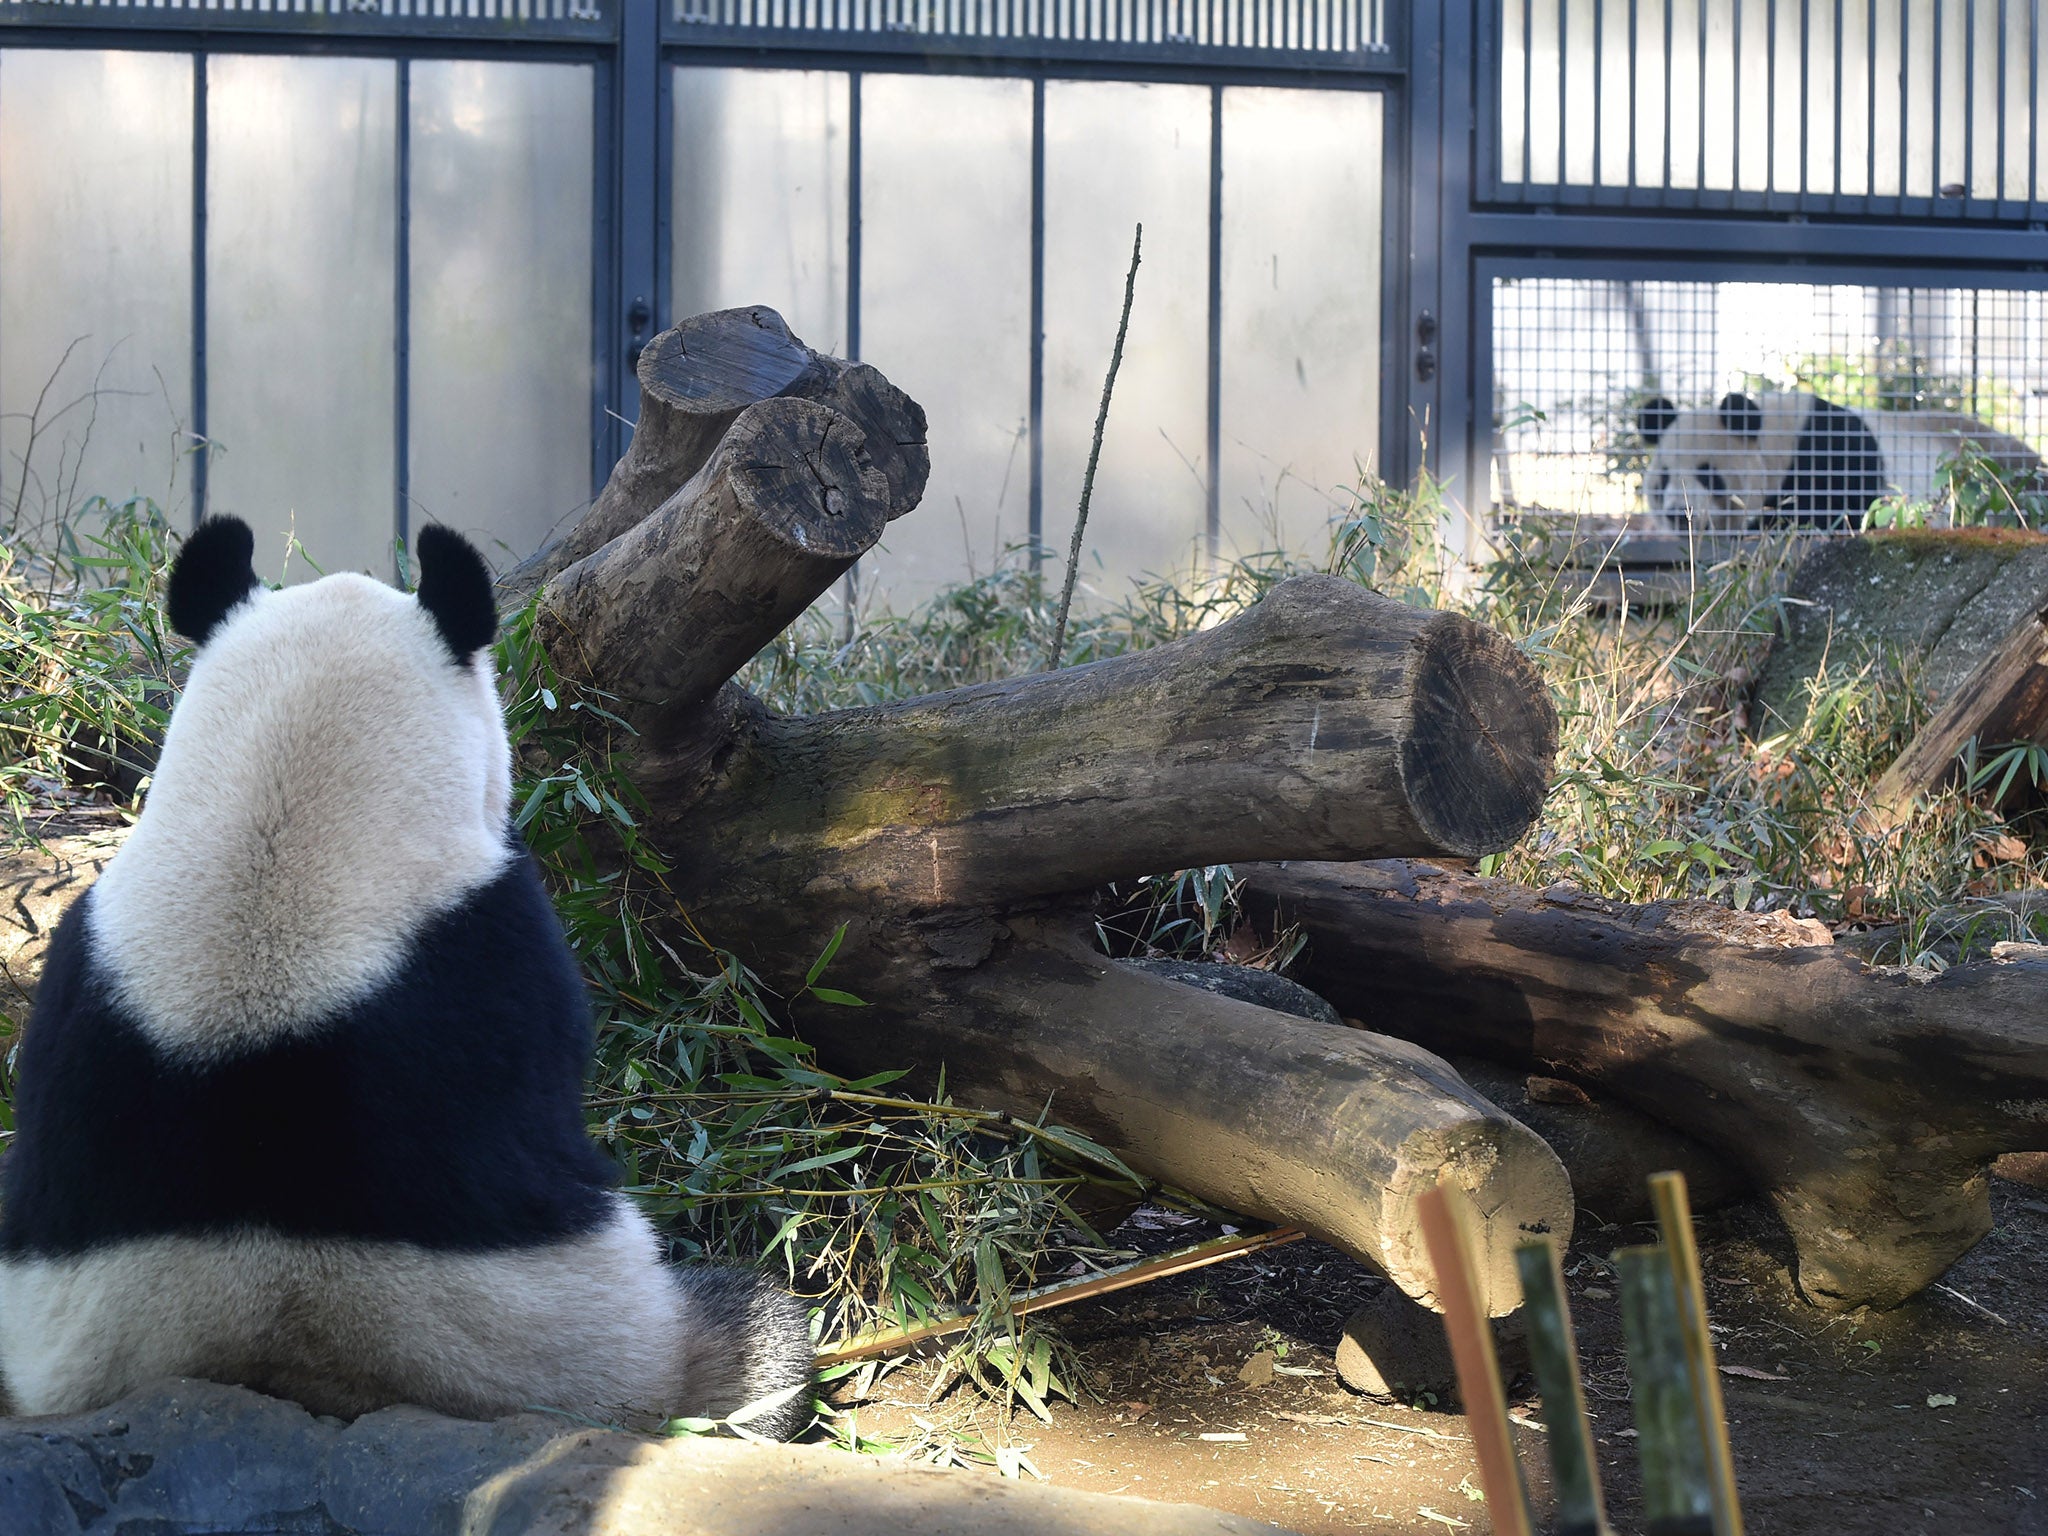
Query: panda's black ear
column 1654, row 417
column 455, row 587
column 1741, row 415
column 214, row 571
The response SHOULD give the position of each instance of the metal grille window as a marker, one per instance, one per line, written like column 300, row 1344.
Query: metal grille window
column 1921, row 108
column 1725, row 407
column 1322, row 27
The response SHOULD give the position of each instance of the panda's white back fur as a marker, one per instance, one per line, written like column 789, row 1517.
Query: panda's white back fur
column 329, row 829
column 328, row 780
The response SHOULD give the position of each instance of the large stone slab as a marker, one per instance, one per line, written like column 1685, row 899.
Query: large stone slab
column 187, row 1457
column 1938, row 599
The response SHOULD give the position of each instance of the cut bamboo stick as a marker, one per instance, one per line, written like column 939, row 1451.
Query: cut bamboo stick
column 1674, row 1220
column 862, row 1346
column 1471, row 1334
column 1553, row 1355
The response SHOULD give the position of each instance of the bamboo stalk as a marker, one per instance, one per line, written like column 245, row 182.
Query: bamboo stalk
column 1677, row 1495
column 1554, row 1358
column 1674, row 1220
column 1441, row 1213
column 1199, row 1256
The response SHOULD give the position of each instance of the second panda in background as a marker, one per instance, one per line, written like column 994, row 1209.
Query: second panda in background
column 300, row 1103
column 1786, row 459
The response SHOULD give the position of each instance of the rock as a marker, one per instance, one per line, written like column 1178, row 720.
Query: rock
column 1246, row 983
column 189, row 1456
column 37, row 884
column 1395, row 1347
column 1941, row 598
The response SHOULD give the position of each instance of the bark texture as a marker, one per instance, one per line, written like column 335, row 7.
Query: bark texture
column 957, row 837
column 1868, row 1102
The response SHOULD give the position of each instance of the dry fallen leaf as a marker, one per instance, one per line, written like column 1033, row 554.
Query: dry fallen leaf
column 1751, row 1373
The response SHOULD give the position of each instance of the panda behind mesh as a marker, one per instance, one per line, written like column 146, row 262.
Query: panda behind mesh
column 299, row 1106
column 1788, row 459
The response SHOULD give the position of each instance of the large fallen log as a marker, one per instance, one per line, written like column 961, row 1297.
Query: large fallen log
column 956, row 838
column 1867, row 1101
column 2004, row 700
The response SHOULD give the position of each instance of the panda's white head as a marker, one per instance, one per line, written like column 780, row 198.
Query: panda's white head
column 1720, row 466
column 335, row 775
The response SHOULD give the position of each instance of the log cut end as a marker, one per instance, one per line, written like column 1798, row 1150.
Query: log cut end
column 1482, row 735
column 724, row 361
column 1518, row 1189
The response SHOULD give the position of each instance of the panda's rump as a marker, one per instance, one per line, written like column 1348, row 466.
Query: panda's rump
column 591, row 1325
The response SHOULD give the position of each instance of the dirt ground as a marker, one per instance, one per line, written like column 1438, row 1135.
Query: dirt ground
column 1841, row 1424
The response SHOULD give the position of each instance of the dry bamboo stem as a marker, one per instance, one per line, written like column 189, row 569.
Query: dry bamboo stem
column 865, row 1345
column 1674, row 1220
column 1465, row 1320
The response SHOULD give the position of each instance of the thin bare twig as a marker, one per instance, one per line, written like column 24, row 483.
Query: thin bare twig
column 1116, row 358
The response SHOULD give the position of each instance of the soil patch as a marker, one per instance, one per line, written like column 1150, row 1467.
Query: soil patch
column 1841, row 1424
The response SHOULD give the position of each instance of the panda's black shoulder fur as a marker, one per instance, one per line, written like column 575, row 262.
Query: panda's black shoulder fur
column 443, row 1110
column 1837, row 470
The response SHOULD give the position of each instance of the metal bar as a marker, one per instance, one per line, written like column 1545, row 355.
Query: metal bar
column 1934, row 158
column 2004, row 66
column 1905, row 93
column 1805, row 96
column 1564, row 11
column 854, row 80
column 1599, row 91
column 1634, row 126
column 1699, row 175
column 1771, row 98
column 201, row 446
column 1833, row 160
column 1664, row 178
column 1528, row 92
column 640, row 192
column 1870, row 101
column 1212, row 526
column 1986, row 250
column 1969, row 106
column 1735, row 57
column 401, row 310
column 1037, row 405
column 604, row 265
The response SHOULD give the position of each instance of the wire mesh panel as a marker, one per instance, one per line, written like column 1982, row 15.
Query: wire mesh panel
column 1926, row 108
column 1332, row 28
column 1735, row 407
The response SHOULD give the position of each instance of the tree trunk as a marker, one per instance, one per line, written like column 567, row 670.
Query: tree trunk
column 957, row 837
column 1867, row 1101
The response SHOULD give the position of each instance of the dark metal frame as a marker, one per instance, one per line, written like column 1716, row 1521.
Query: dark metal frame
column 1465, row 231
column 631, row 44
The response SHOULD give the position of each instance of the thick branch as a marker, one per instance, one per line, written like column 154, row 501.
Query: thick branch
column 695, row 380
column 1867, row 1101
column 666, row 612
column 1326, row 722
column 1315, row 1125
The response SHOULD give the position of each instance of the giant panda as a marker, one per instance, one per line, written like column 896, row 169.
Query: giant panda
column 1779, row 459
column 299, row 1105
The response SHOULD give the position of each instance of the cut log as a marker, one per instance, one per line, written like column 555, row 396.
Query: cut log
column 672, row 607
column 954, row 838
column 1313, row 1125
column 1324, row 722
column 1867, row 1102
column 2004, row 700
column 695, row 380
